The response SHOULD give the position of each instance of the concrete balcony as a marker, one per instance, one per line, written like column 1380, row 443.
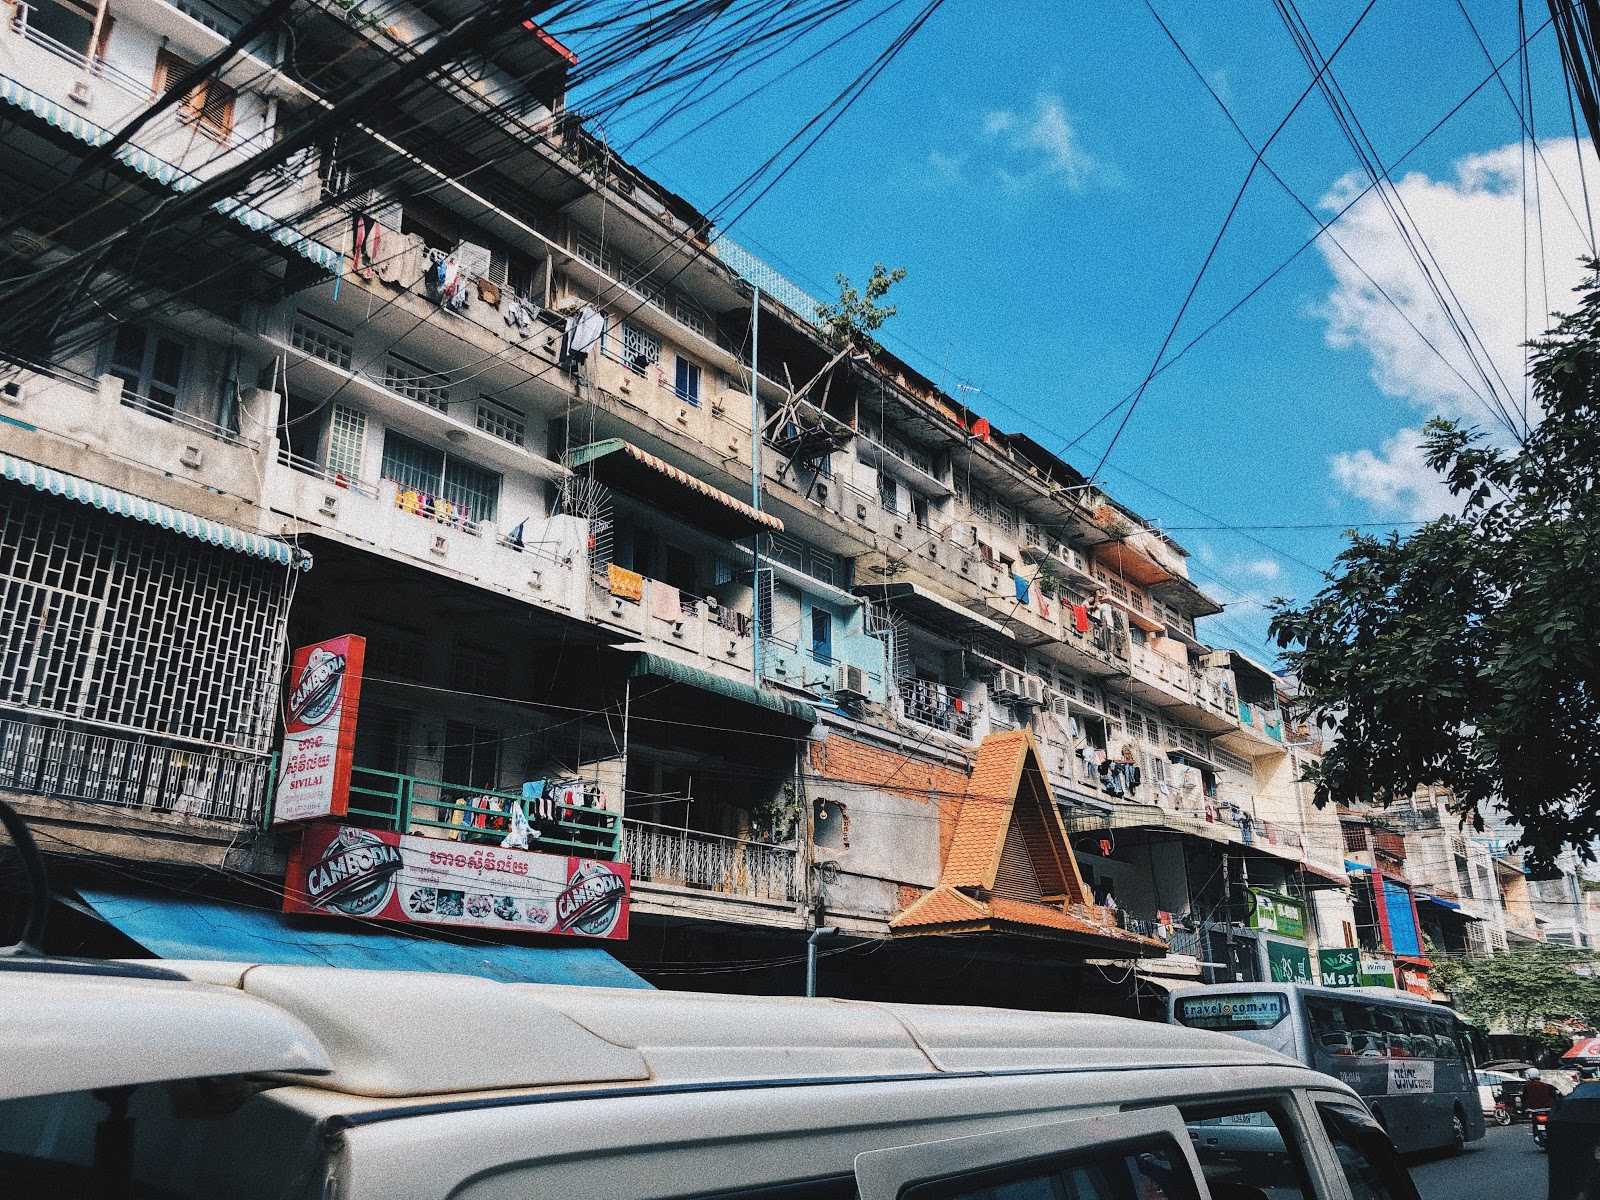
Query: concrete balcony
column 88, row 427
column 716, row 640
column 1158, row 680
column 682, row 872
column 549, row 570
column 1259, row 732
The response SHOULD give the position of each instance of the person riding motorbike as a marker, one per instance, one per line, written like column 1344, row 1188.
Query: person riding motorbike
column 1537, row 1094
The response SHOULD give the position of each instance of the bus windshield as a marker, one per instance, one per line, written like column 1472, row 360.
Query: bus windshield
column 1262, row 1017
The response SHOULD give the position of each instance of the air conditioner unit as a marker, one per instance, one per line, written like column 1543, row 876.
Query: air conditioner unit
column 1033, row 690
column 849, row 682
column 1056, row 703
column 1007, row 685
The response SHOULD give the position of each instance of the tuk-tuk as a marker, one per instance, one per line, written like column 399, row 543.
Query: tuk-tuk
column 1572, row 1135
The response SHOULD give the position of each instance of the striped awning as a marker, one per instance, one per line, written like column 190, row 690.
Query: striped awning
column 624, row 466
column 125, row 504
column 165, row 173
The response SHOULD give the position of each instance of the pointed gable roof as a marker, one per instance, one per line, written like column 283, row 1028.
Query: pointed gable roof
column 1009, row 802
column 1010, row 866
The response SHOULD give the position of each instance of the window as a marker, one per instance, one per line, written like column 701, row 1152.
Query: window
column 70, row 24
column 1366, row 1156
column 209, row 106
column 592, row 252
column 502, row 421
column 821, row 635
column 640, row 347
column 688, row 380
column 1247, row 1151
column 980, row 505
column 427, row 476
column 1154, row 1171
column 471, row 756
column 347, row 435
column 416, row 382
column 150, row 367
column 691, row 315
column 318, row 338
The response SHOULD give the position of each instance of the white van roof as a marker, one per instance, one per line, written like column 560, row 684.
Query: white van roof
column 392, row 1034
column 69, row 1030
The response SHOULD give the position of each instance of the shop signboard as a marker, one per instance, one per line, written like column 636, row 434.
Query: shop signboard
column 1340, row 968
column 319, row 731
column 1287, row 962
column 1273, row 913
column 377, row 875
column 1377, row 972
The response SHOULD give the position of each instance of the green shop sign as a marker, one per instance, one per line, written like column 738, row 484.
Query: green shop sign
column 1282, row 915
column 1352, row 968
column 1288, row 963
column 1340, row 968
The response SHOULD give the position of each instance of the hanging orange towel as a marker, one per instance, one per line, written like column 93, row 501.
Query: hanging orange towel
column 627, row 584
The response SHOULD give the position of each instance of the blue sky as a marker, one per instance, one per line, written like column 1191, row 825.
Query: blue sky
column 1051, row 177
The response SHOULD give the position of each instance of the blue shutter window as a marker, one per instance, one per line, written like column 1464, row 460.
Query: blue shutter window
column 821, row 635
column 688, row 382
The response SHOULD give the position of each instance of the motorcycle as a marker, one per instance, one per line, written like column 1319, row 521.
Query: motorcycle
column 1502, row 1114
column 1540, row 1119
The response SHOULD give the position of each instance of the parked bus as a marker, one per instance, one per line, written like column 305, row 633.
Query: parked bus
column 1410, row 1060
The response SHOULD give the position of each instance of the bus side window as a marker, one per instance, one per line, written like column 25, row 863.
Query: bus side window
column 1366, row 1156
column 1391, row 1023
column 1419, row 1036
column 1366, row 1038
column 1328, row 1032
column 1444, row 1037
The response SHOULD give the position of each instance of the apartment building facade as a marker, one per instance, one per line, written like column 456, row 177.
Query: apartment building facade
column 790, row 633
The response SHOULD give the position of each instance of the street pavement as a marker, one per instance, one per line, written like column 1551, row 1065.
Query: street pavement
column 1505, row 1165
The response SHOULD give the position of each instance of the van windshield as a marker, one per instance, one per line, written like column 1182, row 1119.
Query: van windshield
column 1262, row 1017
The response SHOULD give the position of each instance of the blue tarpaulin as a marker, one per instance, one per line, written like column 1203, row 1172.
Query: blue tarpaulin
column 187, row 927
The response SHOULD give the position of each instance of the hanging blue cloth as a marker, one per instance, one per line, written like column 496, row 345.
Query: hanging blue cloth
column 1021, row 585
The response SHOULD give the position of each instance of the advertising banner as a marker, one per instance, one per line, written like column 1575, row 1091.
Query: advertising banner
column 319, row 731
column 1410, row 1076
column 1233, row 1012
column 1377, row 972
column 1272, row 913
column 1340, row 968
column 1287, row 963
column 381, row 876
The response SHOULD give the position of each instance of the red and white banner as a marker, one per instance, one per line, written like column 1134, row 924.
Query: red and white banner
column 344, row 871
column 320, row 731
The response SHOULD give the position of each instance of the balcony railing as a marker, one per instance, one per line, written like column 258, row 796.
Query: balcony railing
column 710, row 862
column 935, row 705
column 67, row 763
column 436, row 808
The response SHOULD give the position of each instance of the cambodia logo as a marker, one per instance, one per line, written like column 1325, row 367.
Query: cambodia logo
column 317, row 694
column 592, row 902
column 354, row 874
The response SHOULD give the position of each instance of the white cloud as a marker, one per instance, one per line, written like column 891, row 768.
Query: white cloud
column 1394, row 479
column 1265, row 568
column 1473, row 226
column 1042, row 146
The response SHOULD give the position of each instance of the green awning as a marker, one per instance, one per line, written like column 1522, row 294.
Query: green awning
column 625, row 467
column 125, row 504
column 78, row 126
column 665, row 668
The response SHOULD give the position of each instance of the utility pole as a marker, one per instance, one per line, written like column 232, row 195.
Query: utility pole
column 755, row 485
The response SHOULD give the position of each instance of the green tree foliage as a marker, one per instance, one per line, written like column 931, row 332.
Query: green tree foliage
column 858, row 315
column 1523, row 990
column 1468, row 654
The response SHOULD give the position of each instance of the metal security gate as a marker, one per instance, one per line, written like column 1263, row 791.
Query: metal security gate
column 111, row 622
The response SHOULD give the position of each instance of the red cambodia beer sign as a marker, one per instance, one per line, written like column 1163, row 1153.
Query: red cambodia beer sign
column 340, row 870
column 319, row 730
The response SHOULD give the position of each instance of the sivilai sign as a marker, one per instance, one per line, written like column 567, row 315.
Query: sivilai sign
column 319, row 730
column 344, row 871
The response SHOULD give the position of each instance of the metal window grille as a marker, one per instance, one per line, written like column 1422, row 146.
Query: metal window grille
column 691, row 315
column 436, row 475
column 784, row 548
column 417, row 383
column 316, row 337
column 592, row 252
column 120, row 624
column 502, row 421
column 823, row 565
column 640, row 343
column 347, row 437
column 980, row 504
